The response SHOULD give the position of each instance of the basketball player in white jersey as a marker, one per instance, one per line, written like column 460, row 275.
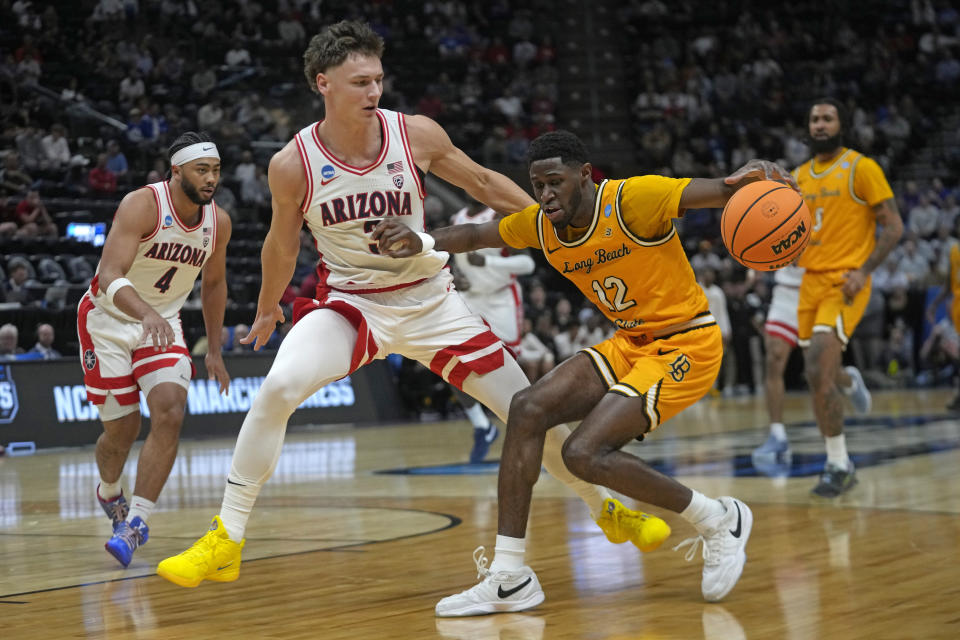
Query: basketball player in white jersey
column 342, row 176
column 780, row 337
column 493, row 292
column 163, row 236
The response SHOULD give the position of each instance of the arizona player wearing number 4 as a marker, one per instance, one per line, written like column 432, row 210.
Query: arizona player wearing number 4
column 163, row 236
column 616, row 241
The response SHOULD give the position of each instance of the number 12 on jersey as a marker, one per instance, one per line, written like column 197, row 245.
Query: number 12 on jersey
column 618, row 288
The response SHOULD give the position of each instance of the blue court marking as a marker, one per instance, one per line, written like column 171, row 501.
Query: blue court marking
column 869, row 440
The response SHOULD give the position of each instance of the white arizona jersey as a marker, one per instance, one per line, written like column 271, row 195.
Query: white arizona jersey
column 344, row 203
column 790, row 275
column 168, row 260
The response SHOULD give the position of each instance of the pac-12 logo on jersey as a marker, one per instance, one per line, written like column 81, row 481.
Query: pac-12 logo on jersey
column 398, row 181
column 679, row 368
column 8, row 396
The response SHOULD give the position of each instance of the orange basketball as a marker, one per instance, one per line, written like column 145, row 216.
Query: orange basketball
column 765, row 225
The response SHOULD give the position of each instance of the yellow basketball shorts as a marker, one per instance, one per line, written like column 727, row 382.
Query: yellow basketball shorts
column 822, row 307
column 670, row 373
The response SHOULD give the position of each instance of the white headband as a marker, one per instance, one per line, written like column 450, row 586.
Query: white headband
column 194, row 151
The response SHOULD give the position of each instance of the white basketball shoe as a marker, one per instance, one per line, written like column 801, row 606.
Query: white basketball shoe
column 724, row 547
column 498, row 592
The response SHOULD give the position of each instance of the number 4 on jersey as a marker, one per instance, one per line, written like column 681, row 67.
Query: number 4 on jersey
column 164, row 282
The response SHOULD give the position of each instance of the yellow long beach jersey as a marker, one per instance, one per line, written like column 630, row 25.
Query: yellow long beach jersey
column 629, row 261
column 841, row 197
column 955, row 285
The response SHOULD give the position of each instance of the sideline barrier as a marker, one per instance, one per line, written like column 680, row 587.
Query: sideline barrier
column 45, row 402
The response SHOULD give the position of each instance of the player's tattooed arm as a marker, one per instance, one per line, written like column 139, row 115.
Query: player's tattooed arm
column 888, row 217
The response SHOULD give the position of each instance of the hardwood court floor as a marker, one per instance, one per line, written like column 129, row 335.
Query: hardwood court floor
column 337, row 548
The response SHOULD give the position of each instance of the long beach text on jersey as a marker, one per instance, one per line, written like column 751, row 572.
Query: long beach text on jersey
column 377, row 204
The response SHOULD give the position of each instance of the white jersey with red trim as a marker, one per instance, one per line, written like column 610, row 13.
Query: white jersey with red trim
column 790, row 275
column 483, row 280
column 168, row 261
column 344, row 203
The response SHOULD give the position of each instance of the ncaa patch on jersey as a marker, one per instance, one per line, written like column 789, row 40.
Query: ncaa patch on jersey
column 168, row 222
column 606, row 211
column 327, row 171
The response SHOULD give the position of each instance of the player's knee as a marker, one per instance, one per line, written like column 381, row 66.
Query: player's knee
column 166, row 420
column 279, row 394
column 527, row 411
column 581, row 458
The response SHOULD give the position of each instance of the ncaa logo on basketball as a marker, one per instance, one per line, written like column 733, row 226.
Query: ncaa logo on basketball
column 398, row 181
column 327, row 171
column 8, row 396
column 792, row 238
column 679, row 368
column 89, row 359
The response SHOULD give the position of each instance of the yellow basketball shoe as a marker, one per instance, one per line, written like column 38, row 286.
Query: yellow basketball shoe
column 620, row 524
column 213, row 557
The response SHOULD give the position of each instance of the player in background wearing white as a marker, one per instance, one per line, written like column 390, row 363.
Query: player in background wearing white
column 163, row 236
column 492, row 292
column 342, row 176
column 780, row 337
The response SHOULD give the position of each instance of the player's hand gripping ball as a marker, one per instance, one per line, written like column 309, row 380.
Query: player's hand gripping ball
column 766, row 225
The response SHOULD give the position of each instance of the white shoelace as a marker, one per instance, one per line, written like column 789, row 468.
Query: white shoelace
column 711, row 548
column 481, row 560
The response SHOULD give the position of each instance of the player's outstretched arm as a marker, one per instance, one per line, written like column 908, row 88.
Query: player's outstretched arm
column 288, row 187
column 213, row 295
column 434, row 152
column 136, row 218
column 714, row 192
column 397, row 240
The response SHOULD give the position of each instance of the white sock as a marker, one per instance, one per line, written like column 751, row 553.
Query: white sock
column 109, row 490
column 837, row 451
column 140, row 507
column 477, row 416
column 508, row 554
column 238, row 501
column 778, row 430
column 701, row 509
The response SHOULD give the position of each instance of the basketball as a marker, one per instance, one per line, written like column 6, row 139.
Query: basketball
column 765, row 225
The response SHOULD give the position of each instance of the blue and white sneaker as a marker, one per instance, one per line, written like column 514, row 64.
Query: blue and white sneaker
column 127, row 537
column 859, row 395
column 115, row 508
column 773, row 448
column 482, row 439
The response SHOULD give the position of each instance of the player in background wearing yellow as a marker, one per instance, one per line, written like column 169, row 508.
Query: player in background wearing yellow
column 848, row 195
column 950, row 287
column 617, row 242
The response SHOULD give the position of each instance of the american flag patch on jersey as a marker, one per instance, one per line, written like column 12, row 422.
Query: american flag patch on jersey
column 395, row 167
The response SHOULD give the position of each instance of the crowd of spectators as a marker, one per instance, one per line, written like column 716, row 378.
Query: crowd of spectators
column 91, row 94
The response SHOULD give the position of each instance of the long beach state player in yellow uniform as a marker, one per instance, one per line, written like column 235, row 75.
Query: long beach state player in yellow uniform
column 848, row 195
column 616, row 241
